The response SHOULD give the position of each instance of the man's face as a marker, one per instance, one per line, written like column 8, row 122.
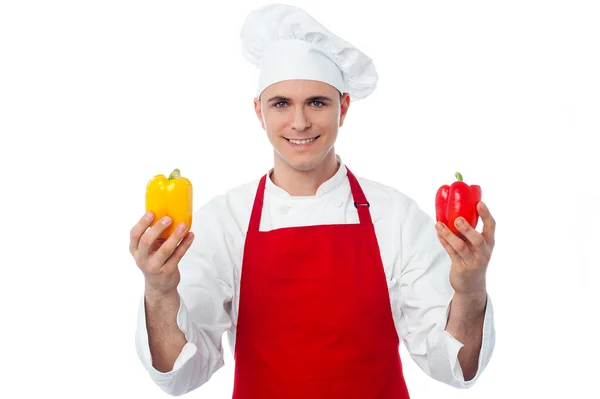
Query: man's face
column 301, row 118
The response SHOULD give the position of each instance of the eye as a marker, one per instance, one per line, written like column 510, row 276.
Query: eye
column 317, row 104
column 280, row 104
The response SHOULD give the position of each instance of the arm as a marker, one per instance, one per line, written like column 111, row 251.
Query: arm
column 470, row 256
column 165, row 339
column 428, row 309
column 465, row 323
column 178, row 337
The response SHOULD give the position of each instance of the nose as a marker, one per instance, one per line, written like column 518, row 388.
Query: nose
column 300, row 121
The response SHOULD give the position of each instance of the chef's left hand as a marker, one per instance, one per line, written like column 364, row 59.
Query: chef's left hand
column 470, row 256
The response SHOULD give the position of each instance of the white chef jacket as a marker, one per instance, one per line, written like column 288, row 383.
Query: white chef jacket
column 416, row 268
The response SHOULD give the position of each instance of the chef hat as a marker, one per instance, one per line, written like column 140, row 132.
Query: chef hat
column 285, row 42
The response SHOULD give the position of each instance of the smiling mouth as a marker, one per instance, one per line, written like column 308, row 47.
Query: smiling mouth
column 302, row 141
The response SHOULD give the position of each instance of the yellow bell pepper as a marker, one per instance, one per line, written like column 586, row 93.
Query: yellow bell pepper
column 171, row 197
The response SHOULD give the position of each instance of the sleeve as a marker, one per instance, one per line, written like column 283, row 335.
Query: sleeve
column 205, row 292
column 424, row 294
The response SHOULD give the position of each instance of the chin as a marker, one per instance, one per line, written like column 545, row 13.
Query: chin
column 304, row 166
column 305, row 162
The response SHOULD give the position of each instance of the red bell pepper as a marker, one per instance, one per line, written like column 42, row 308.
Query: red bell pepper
column 458, row 199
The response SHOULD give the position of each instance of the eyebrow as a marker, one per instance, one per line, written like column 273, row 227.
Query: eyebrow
column 310, row 99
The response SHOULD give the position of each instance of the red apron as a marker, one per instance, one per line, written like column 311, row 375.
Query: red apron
column 314, row 314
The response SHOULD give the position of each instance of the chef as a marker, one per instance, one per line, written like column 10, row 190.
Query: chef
column 316, row 275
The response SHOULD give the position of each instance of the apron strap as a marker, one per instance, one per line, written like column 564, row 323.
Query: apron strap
column 360, row 201
column 258, row 205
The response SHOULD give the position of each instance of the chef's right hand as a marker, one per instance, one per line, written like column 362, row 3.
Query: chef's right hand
column 157, row 259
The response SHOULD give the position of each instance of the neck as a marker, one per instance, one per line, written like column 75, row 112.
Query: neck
column 303, row 183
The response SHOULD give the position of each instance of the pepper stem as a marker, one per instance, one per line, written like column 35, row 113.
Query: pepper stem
column 458, row 176
column 174, row 174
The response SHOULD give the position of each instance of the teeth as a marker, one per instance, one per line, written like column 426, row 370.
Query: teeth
column 302, row 141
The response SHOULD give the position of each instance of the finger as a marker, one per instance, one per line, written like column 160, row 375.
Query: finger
column 489, row 224
column 454, row 256
column 457, row 244
column 149, row 237
column 181, row 250
column 473, row 236
column 156, row 244
column 136, row 232
column 159, row 258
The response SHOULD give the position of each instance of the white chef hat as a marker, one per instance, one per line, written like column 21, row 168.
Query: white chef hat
column 285, row 42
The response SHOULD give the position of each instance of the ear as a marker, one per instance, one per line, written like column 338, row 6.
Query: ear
column 258, row 112
column 344, row 105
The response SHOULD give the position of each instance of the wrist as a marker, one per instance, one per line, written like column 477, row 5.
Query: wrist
column 473, row 290
column 155, row 297
column 468, row 306
column 474, row 297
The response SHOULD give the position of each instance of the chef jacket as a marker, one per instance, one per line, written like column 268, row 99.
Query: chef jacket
column 416, row 267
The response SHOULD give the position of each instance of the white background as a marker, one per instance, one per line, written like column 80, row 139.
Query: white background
column 97, row 97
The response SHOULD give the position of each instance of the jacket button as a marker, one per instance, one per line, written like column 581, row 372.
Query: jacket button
column 284, row 209
column 339, row 203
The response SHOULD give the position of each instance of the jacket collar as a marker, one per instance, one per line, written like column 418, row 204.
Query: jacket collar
column 326, row 188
